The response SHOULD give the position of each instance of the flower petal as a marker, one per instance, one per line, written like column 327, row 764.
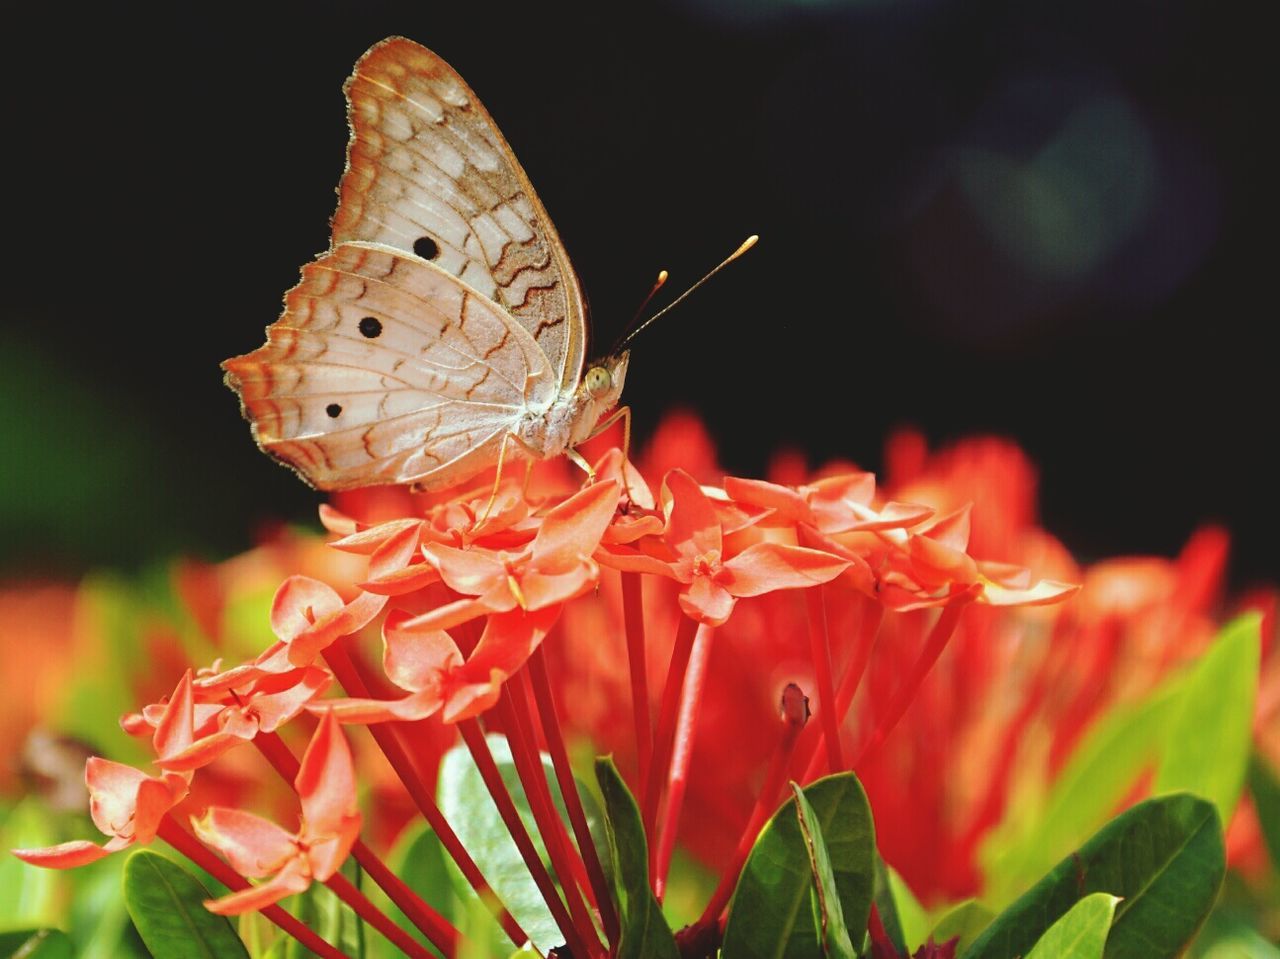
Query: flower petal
column 890, row 516
column 336, row 521
column 305, row 646
column 541, row 590
column 395, row 553
column 254, row 846
column 202, row 752
column 468, row 571
column 611, row 466
column 66, row 855
column 764, row 567
column 631, row 560
column 787, row 505
column 299, row 603
column 274, row 709
column 409, row 708
column 367, row 541
column 401, row 581
column 176, row 729
column 113, row 794
column 450, row 614
column 415, row 658
column 1043, row 593
column 507, row 641
column 326, row 781
column 706, row 601
column 692, row 526
column 291, row 880
column 573, row 529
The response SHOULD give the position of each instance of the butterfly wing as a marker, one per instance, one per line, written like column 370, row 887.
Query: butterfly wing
column 428, row 172
column 385, row 368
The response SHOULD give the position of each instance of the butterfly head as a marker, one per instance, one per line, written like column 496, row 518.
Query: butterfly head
column 598, row 393
column 603, row 380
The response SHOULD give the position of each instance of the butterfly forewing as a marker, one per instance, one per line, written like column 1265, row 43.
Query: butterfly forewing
column 429, row 173
column 385, row 369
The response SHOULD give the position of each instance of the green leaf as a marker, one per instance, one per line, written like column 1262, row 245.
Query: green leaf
column 1164, row 857
column 465, row 801
column 333, row 920
column 825, row 901
column 645, row 934
column 1264, row 786
column 420, row 860
column 887, row 906
column 36, row 944
column 29, row 893
column 769, row 915
column 1081, row 933
column 167, row 906
column 963, row 922
column 1193, row 729
column 912, row 918
column 1209, row 738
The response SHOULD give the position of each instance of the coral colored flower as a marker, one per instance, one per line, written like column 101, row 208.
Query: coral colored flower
column 256, row 847
column 695, row 557
column 125, row 803
column 263, row 705
column 428, row 664
column 556, row 567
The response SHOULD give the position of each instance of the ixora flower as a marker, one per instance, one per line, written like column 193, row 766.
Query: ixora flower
column 256, row 847
column 661, row 614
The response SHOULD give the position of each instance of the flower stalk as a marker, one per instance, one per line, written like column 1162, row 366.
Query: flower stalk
column 544, row 695
column 388, row 740
column 682, row 754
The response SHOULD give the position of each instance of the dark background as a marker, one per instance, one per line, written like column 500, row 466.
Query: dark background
column 1039, row 219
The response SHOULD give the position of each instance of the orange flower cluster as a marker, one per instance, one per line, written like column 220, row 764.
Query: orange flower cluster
column 468, row 585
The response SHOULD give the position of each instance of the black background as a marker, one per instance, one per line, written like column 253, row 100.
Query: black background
column 170, row 168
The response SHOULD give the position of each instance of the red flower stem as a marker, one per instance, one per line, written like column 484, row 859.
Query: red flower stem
column 387, row 736
column 686, row 733
column 513, row 709
column 794, row 714
column 189, row 846
column 474, row 738
column 438, row 930
column 343, row 888
column 633, row 617
column 820, row 651
column 545, row 697
column 849, row 683
column 933, row 647
column 665, row 736
column 522, row 704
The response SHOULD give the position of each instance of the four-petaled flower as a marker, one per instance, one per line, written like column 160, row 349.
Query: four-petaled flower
column 691, row 551
column 256, row 847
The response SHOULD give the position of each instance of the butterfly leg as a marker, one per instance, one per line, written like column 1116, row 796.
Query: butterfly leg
column 621, row 413
column 497, row 481
column 576, row 458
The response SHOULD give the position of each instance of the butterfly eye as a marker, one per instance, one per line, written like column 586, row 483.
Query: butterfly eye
column 597, row 381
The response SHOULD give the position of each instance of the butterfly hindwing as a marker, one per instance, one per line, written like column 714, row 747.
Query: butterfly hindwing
column 429, row 173
column 384, row 369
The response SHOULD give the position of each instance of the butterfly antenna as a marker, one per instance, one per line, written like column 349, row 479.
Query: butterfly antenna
column 657, row 285
column 747, row 244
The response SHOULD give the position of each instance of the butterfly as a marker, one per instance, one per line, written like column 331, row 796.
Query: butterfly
column 444, row 328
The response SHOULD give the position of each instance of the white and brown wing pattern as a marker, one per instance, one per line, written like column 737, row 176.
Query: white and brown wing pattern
column 385, row 369
column 428, row 172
